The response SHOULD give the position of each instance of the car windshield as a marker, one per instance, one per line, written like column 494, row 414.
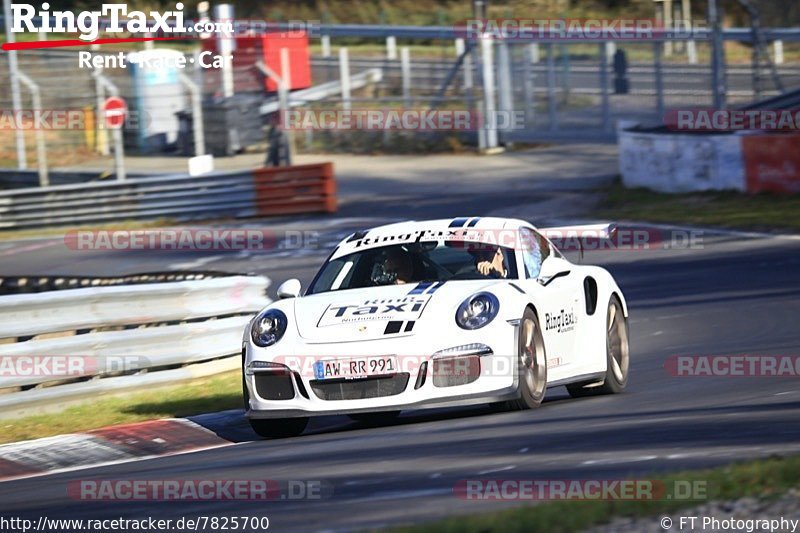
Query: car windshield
column 413, row 263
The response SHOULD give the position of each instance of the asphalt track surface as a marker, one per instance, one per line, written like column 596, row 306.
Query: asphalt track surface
column 728, row 294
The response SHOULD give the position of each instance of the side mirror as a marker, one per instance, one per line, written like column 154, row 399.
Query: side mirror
column 552, row 268
column 289, row 289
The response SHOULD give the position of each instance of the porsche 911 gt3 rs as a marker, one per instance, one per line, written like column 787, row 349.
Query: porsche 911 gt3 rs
column 438, row 313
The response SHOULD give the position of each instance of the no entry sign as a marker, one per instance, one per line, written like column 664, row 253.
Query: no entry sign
column 114, row 110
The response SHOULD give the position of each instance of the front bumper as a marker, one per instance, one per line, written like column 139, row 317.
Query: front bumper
column 425, row 380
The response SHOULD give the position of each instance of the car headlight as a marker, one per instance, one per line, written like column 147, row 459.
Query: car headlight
column 268, row 327
column 477, row 310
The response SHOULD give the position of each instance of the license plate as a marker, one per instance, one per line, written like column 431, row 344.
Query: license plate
column 362, row 367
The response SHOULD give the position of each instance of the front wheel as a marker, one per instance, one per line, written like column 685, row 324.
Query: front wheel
column 617, row 355
column 532, row 364
column 273, row 428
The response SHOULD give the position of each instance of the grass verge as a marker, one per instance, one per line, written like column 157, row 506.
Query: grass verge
column 204, row 395
column 762, row 212
column 768, row 478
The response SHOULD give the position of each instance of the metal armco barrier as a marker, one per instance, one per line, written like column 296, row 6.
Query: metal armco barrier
column 121, row 331
column 259, row 192
column 24, row 315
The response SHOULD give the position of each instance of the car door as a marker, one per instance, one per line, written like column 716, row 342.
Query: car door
column 547, row 273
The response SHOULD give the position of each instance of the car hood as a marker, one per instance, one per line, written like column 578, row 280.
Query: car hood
column 380, row 312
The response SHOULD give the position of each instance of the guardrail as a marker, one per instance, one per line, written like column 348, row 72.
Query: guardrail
column 260, row 192
column 24, row 315
column 325, row 90
column 126, row 334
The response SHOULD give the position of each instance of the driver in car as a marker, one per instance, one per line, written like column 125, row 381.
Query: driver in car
column 491, row 262
column 396, row 268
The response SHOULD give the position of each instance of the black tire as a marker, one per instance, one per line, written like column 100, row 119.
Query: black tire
column 375, row 419
column 275, row 428
column 532, row 364
column 617, row 356
column 245, row 395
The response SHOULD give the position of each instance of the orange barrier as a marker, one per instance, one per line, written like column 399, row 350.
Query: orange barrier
column 295, row 189
column 772, row 163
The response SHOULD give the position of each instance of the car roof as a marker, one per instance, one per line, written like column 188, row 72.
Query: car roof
column 440, row 229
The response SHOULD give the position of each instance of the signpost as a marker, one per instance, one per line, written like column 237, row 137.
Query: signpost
column 16, row 97
column 114, row 112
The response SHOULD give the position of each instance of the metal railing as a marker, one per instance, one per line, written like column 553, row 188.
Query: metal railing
column 282, row 190
column 123, row 335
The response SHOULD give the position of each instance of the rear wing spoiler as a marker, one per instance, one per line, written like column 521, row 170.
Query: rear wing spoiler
column 580, row 233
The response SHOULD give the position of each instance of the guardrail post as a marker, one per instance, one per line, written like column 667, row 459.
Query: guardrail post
column 467, row 64
column 197, row 114
column 284, row 105
column 610, row 49
column 405, row 68
column 778, row 52
column 325, row 40
column 41, row 151
column 225, row 46
column 551, row 88
column 286, row 82
column 102, row 138
column 16, row 97
column 604, row 89
column 104, row 84
column 718, row 84
column 487, row 62
column 504, row 97
column 659, row 73
column 691, row 52
column 344, row 76
column 391, row 47
column 668, row 25
column 529, row 83
column 534, row 51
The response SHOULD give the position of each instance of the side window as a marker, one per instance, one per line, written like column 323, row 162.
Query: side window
column 545, row 246
column 532, row 252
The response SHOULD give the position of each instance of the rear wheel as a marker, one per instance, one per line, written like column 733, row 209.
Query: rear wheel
column 617, row 355
column 532, row 364
column 279, row 427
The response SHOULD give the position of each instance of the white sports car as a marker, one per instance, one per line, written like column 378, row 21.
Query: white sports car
column 429, row 314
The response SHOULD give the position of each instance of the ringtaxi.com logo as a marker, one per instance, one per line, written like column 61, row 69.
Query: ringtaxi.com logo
column 116, row 19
